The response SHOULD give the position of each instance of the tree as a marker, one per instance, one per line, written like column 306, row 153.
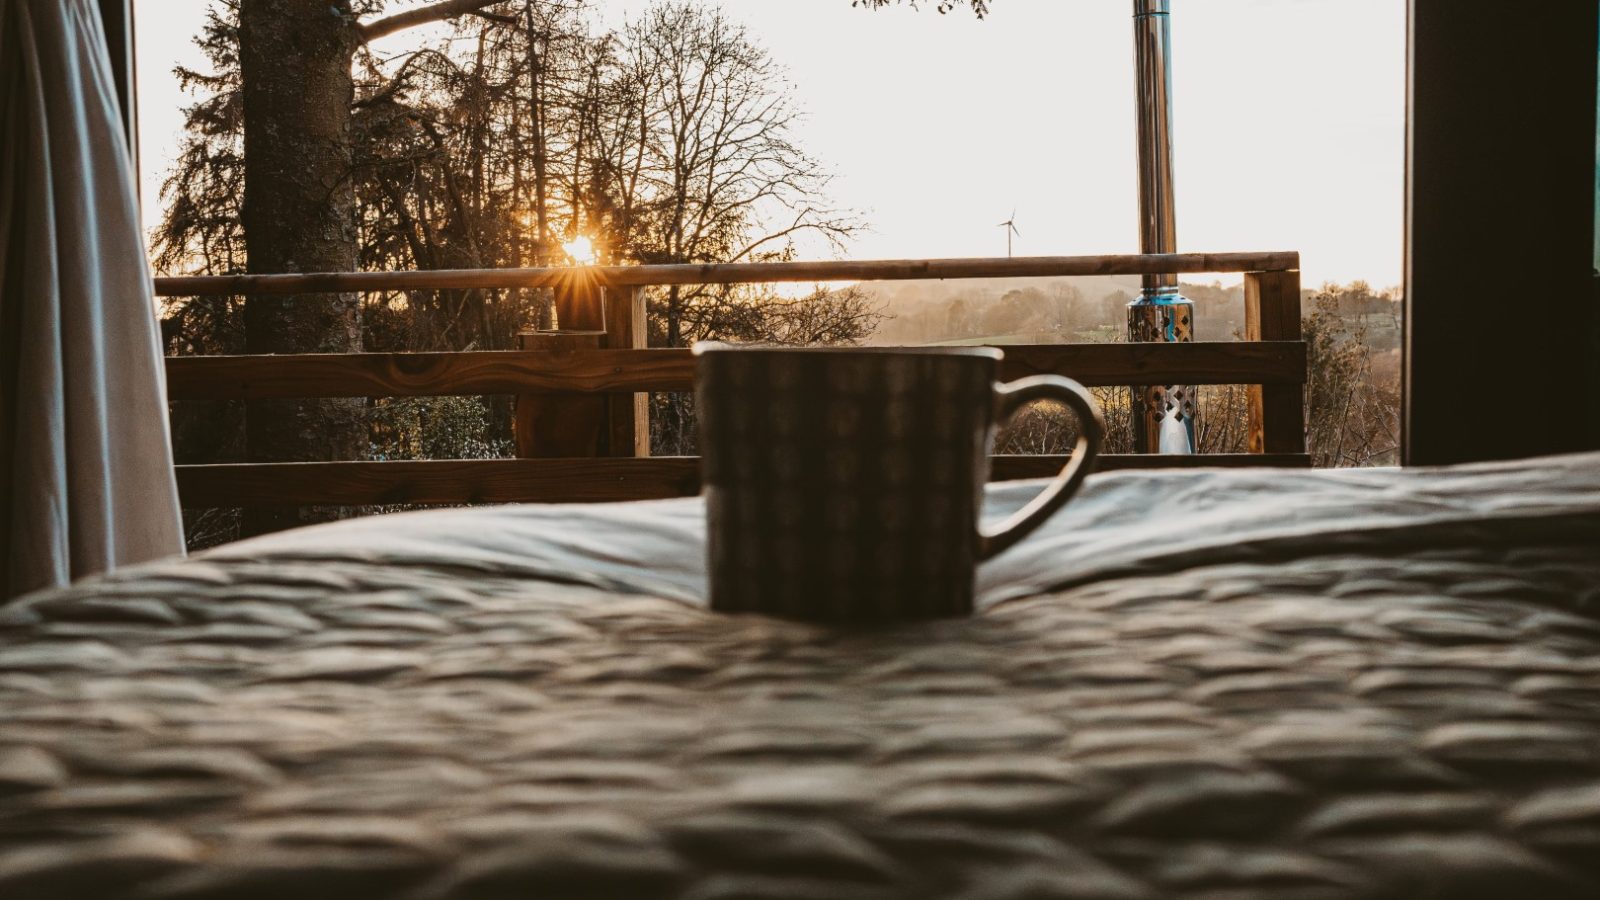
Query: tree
column 1353, row 417
column 705, row 164
column 980, row 8
column 200, row 232
column 298, row 212
column 298, row 215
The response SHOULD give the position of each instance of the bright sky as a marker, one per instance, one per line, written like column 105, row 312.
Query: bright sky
column 1290, row 122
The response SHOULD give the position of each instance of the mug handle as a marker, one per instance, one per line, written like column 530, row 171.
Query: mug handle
column 1091, row 434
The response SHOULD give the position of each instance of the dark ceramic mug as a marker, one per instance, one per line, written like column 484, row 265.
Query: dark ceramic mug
column 846, row 485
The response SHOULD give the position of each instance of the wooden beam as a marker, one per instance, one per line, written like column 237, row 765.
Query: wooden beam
column 1013, row 467
column 547, row 480
column 626, row 329
column 730, row 273
column 626, row 371
column 436, row 481
column 426, row 374
column 1208, row 362
column 1272, row 313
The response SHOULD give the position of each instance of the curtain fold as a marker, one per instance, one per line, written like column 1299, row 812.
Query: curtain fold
column 85, row 453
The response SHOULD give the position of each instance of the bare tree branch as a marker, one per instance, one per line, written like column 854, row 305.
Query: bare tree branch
column 495, row 17
column 433, row 12
column 980, row 8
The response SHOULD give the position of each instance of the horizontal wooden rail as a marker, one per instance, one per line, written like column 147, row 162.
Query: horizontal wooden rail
column 732, row 273
column 549, row 480
column 525, row 372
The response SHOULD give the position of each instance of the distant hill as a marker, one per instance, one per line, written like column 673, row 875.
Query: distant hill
column 1032, row 310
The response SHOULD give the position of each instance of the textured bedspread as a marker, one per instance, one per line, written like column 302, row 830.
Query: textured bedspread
column 1198, row 685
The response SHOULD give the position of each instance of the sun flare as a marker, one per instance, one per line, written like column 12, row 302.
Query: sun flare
column 581, row 250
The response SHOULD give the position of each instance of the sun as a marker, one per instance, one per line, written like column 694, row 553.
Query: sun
column 581, row 250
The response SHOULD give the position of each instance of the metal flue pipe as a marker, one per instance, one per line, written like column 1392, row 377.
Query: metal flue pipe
column 1158, row 222
column 1163, row 415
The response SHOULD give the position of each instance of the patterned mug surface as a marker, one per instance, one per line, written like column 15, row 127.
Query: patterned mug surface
column 846, row 485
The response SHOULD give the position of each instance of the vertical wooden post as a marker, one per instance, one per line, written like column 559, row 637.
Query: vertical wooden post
column 1272, row 313
column 625, row 330
column 560, row 425
column 580, row 303
column 588, row 317
column 565, row 425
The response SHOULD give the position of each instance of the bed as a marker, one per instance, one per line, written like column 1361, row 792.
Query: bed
column 1194, row 684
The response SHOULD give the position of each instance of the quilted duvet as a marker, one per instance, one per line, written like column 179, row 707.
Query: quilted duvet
column 1194, row 685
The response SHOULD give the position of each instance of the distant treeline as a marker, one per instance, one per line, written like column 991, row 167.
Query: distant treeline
column 1074, row 310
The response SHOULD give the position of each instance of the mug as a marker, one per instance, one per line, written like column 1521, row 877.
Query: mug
column 845, row 485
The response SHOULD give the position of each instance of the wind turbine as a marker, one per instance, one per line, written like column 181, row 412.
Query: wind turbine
column 1010, row 225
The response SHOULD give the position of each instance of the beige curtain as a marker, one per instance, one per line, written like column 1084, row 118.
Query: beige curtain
column 85, row 457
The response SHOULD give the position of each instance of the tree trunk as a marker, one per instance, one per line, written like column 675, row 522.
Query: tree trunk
column 541, row 205
column 299, row 216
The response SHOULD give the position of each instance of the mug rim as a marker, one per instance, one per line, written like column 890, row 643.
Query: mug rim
column 975, row 352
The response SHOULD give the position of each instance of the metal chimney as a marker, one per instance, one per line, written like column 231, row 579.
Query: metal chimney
column 1164, row 415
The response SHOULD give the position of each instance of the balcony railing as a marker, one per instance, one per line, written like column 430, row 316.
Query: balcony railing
column 582, row 387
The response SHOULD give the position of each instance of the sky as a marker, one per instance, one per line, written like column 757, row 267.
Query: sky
column 1289, row 124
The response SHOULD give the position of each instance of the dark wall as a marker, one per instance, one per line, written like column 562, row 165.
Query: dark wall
column 1502, row 320
column 117, row 18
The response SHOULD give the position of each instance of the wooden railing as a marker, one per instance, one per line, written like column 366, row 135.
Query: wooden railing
column 601, row 312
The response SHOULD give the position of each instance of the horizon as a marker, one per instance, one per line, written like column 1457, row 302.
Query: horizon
column 931, row 188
